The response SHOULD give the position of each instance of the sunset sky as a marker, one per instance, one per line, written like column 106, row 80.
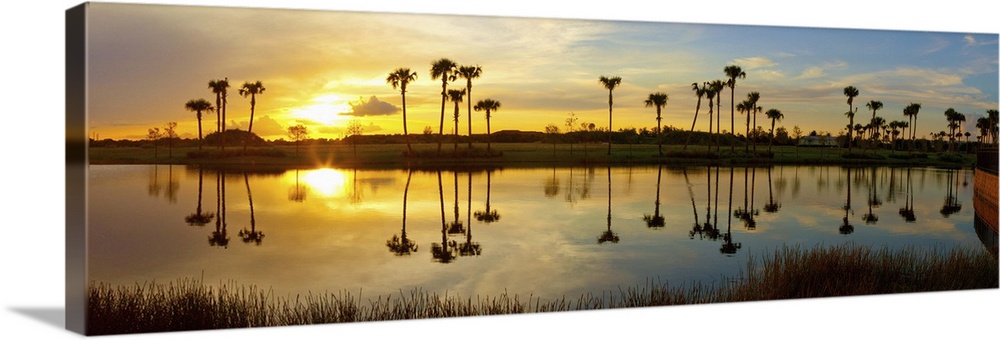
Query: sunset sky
column 324, row 68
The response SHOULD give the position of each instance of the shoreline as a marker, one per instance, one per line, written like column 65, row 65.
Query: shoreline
column 520, row 155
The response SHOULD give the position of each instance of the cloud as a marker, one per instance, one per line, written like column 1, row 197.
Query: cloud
column 262, row 126
column 373, row 107
column 970, row 41
column 754, row 62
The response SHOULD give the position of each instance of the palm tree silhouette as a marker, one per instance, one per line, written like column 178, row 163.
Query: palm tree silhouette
column 656, row 220
column 399, row 79
column 199, row 105
column 911, row 112
column 456, row 97
column 873, row 105
column 608, row 235
column 846, row 227
column 610, row 84
column 488, row 215
column 774, row 115
column 659, row 100
column 951, row 203
column 446, row 70
column 771, row 206
column 252, row 90
column 700, row 92
column 198, row 218
column 715, row 88
column 733, row 72
column 456, row 226
column 753, row 97
column 218, row 237
column 850, row 92
column 728, row 246
column 469, row 73
column 401, row 245
column 873, row 199
column 219, row 87
column 252, row 235
column 907, row 210
column 488, row 105
column 446, row 251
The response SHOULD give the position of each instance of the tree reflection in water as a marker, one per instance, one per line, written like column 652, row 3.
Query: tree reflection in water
column 771, row 206
column 298, row 192
column 656, row 220
column 218, row 238
column 489, row 215
column 951, row 203
column 728, row 246
column 608, row 235
column 199, row 218
column 447, row 250
column 846, row 227
column 252, row 235
column 400, row 244
column 907, row 210
column 467, row 248
column 873, row 200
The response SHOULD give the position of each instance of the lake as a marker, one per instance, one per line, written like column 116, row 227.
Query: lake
column 545, row 232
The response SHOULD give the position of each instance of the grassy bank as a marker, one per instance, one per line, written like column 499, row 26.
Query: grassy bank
column 786, row 274
column 514, row 155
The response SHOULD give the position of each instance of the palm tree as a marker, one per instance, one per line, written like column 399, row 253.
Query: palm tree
column 874, row 105
column 733, row 72
column 850, row 92
column 469, row 73
column 219, row 86
column 456, row 97
column 911, row 111
column 992, row 115
column 199, row 105
column 446, row 70
column 744, row 106
column 983, row 124
column 851, row 127
column 252, row 90
column 710, row 93
column 399, row 78
column 775, row 115
column 716, row 87
column 610, row 84
column 752, row 99
column 700, row 92
column 199, row 218
column 488, row 105
column 952, row 117
column 659, row 100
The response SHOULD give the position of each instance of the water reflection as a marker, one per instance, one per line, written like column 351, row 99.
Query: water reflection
column 339, row 231
column 218, row 238
column 199, row 218
column 253, row 235
column 402, row 245
column 608, row 235
column 951, row 203
column 656, row 220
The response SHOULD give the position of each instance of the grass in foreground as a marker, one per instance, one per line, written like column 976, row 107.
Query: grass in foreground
column 787, row 274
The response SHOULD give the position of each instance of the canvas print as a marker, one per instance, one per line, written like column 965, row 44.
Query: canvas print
column 241, row 167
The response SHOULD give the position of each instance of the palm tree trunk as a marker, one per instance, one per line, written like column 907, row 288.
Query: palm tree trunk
column 468, row 86
column 610, row 101
column 406, row 134
column 199, row 131
column 696, row 109
column 488, row 152
column 456, row 128
column 246, row 140
column 444, row 98
column 659, row 132
column 772, row 138
column 732, row 115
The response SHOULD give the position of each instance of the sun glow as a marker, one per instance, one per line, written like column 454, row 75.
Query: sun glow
column 325, row 109
column 325, row 182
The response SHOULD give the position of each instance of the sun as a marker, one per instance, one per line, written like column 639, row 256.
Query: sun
column 325, row 109
column 326, row 182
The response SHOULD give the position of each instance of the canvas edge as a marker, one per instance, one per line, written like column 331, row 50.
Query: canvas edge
column 76, row 168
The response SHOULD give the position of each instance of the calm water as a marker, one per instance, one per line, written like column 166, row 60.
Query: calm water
column 547, row 232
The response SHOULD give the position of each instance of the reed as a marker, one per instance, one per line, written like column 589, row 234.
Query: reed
column 788, row 273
